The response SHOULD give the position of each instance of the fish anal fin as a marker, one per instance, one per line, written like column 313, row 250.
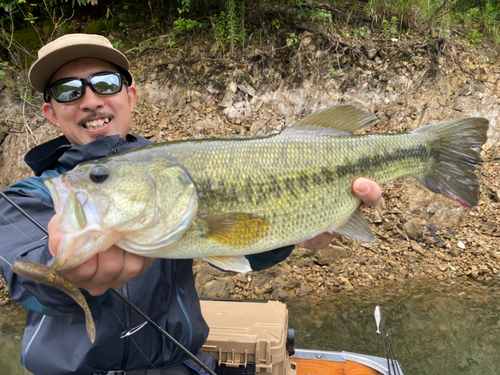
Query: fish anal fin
column 230, row 263
column 342, row 119
column 235, row 229
column 357, row 227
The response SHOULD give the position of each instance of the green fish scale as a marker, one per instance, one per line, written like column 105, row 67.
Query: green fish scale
column 300, row 182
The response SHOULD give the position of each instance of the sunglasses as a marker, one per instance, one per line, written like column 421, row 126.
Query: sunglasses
column 68, row 90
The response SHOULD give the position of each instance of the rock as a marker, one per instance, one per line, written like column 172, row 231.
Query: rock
column 466, row 90
column 242, row 278
column 227, row 100
column 347, row 285
column 330, row 255
column 246, row 88
column 455, row 251
column 495, row 153
column 416, row 247
column 280, row 295
column 370, row 50
column 258, row 125
column 218, row 288
column 304, row 290
column 259, row 279
column 446, row 212
column 4, row 130
column 440, row 255
column 414, row 229
column 483, row 268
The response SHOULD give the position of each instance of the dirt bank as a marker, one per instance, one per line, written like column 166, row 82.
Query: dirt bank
column 191, row 93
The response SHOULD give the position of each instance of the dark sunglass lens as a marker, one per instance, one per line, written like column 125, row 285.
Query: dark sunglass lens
column 106, row 84
column 68, row 91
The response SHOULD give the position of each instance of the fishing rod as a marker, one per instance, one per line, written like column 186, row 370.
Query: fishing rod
column 391, row 361
column 121, row 296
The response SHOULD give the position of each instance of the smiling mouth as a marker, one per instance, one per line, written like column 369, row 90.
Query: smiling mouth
column 96, row 124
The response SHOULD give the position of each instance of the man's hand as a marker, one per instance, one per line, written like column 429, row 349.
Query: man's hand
column 109, row 269
column 370, row 194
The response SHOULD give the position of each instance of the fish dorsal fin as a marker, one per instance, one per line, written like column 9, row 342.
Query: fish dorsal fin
column 236, row 263
column 234, row 229
column 357, row 227
column 342, row 120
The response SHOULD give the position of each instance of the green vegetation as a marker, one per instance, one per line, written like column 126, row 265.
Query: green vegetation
column 182, row 24
column 390, row 29
column 229, row 26
column 292, row 39
column 475, row 20
column 26, row 25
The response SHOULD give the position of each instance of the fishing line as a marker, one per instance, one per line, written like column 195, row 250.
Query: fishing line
column 5, row 260
column 27, row 215
column 118, row 293
column 19, row 230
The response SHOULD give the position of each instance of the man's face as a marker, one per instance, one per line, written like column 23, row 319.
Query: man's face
column 93, row 116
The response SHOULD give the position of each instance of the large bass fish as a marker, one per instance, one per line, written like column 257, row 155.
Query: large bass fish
column 219, row 199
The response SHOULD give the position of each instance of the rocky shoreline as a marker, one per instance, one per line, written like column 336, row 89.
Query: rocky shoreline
column 419, row 235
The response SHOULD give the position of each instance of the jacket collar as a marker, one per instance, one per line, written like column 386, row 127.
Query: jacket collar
column 61, row 151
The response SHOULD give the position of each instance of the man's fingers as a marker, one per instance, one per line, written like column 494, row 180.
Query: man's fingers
column 133, row 266
column 55, row 236
column 115, row 268
column 368, row 191
column 83, row 272
column 109, row 265
column 321, row 241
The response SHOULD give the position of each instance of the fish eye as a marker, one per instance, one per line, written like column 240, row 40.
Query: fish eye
column 98, row 174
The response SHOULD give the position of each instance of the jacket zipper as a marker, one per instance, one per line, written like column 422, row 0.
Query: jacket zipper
column 128, row 325
column 178, row 292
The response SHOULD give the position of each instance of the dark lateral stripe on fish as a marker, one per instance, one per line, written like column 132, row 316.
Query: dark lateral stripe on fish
column 273, row 188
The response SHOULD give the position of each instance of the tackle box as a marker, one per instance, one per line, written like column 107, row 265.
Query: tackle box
column 248, row 337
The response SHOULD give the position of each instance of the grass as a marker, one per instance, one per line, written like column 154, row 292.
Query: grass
column 476, row 20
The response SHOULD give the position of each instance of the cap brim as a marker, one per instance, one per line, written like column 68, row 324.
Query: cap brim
column 44, row 68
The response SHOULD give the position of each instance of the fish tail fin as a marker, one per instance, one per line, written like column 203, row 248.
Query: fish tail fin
column 453, row 171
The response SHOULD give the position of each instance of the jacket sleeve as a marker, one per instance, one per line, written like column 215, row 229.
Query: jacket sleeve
column 21, row 239
column 261, row 261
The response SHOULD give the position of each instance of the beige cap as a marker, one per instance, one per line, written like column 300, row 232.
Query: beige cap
column 71, row 47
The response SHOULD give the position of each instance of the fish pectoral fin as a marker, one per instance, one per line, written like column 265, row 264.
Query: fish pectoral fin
column 234, row 229
column 342, row 119
column 230, row 263
column 357, row 227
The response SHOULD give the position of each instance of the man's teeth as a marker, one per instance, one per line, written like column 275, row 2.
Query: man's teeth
column 96, row 124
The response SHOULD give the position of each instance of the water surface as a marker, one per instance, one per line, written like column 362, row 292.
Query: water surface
column 434, row 328
column 12, row 319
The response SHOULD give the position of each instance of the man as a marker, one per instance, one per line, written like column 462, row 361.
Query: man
column 89, row 96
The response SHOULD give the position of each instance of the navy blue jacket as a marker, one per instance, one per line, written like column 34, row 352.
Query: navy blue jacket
column 55, row 340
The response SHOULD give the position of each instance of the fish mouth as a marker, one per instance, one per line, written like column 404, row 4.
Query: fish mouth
column 78, row 218
column 68, row 205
